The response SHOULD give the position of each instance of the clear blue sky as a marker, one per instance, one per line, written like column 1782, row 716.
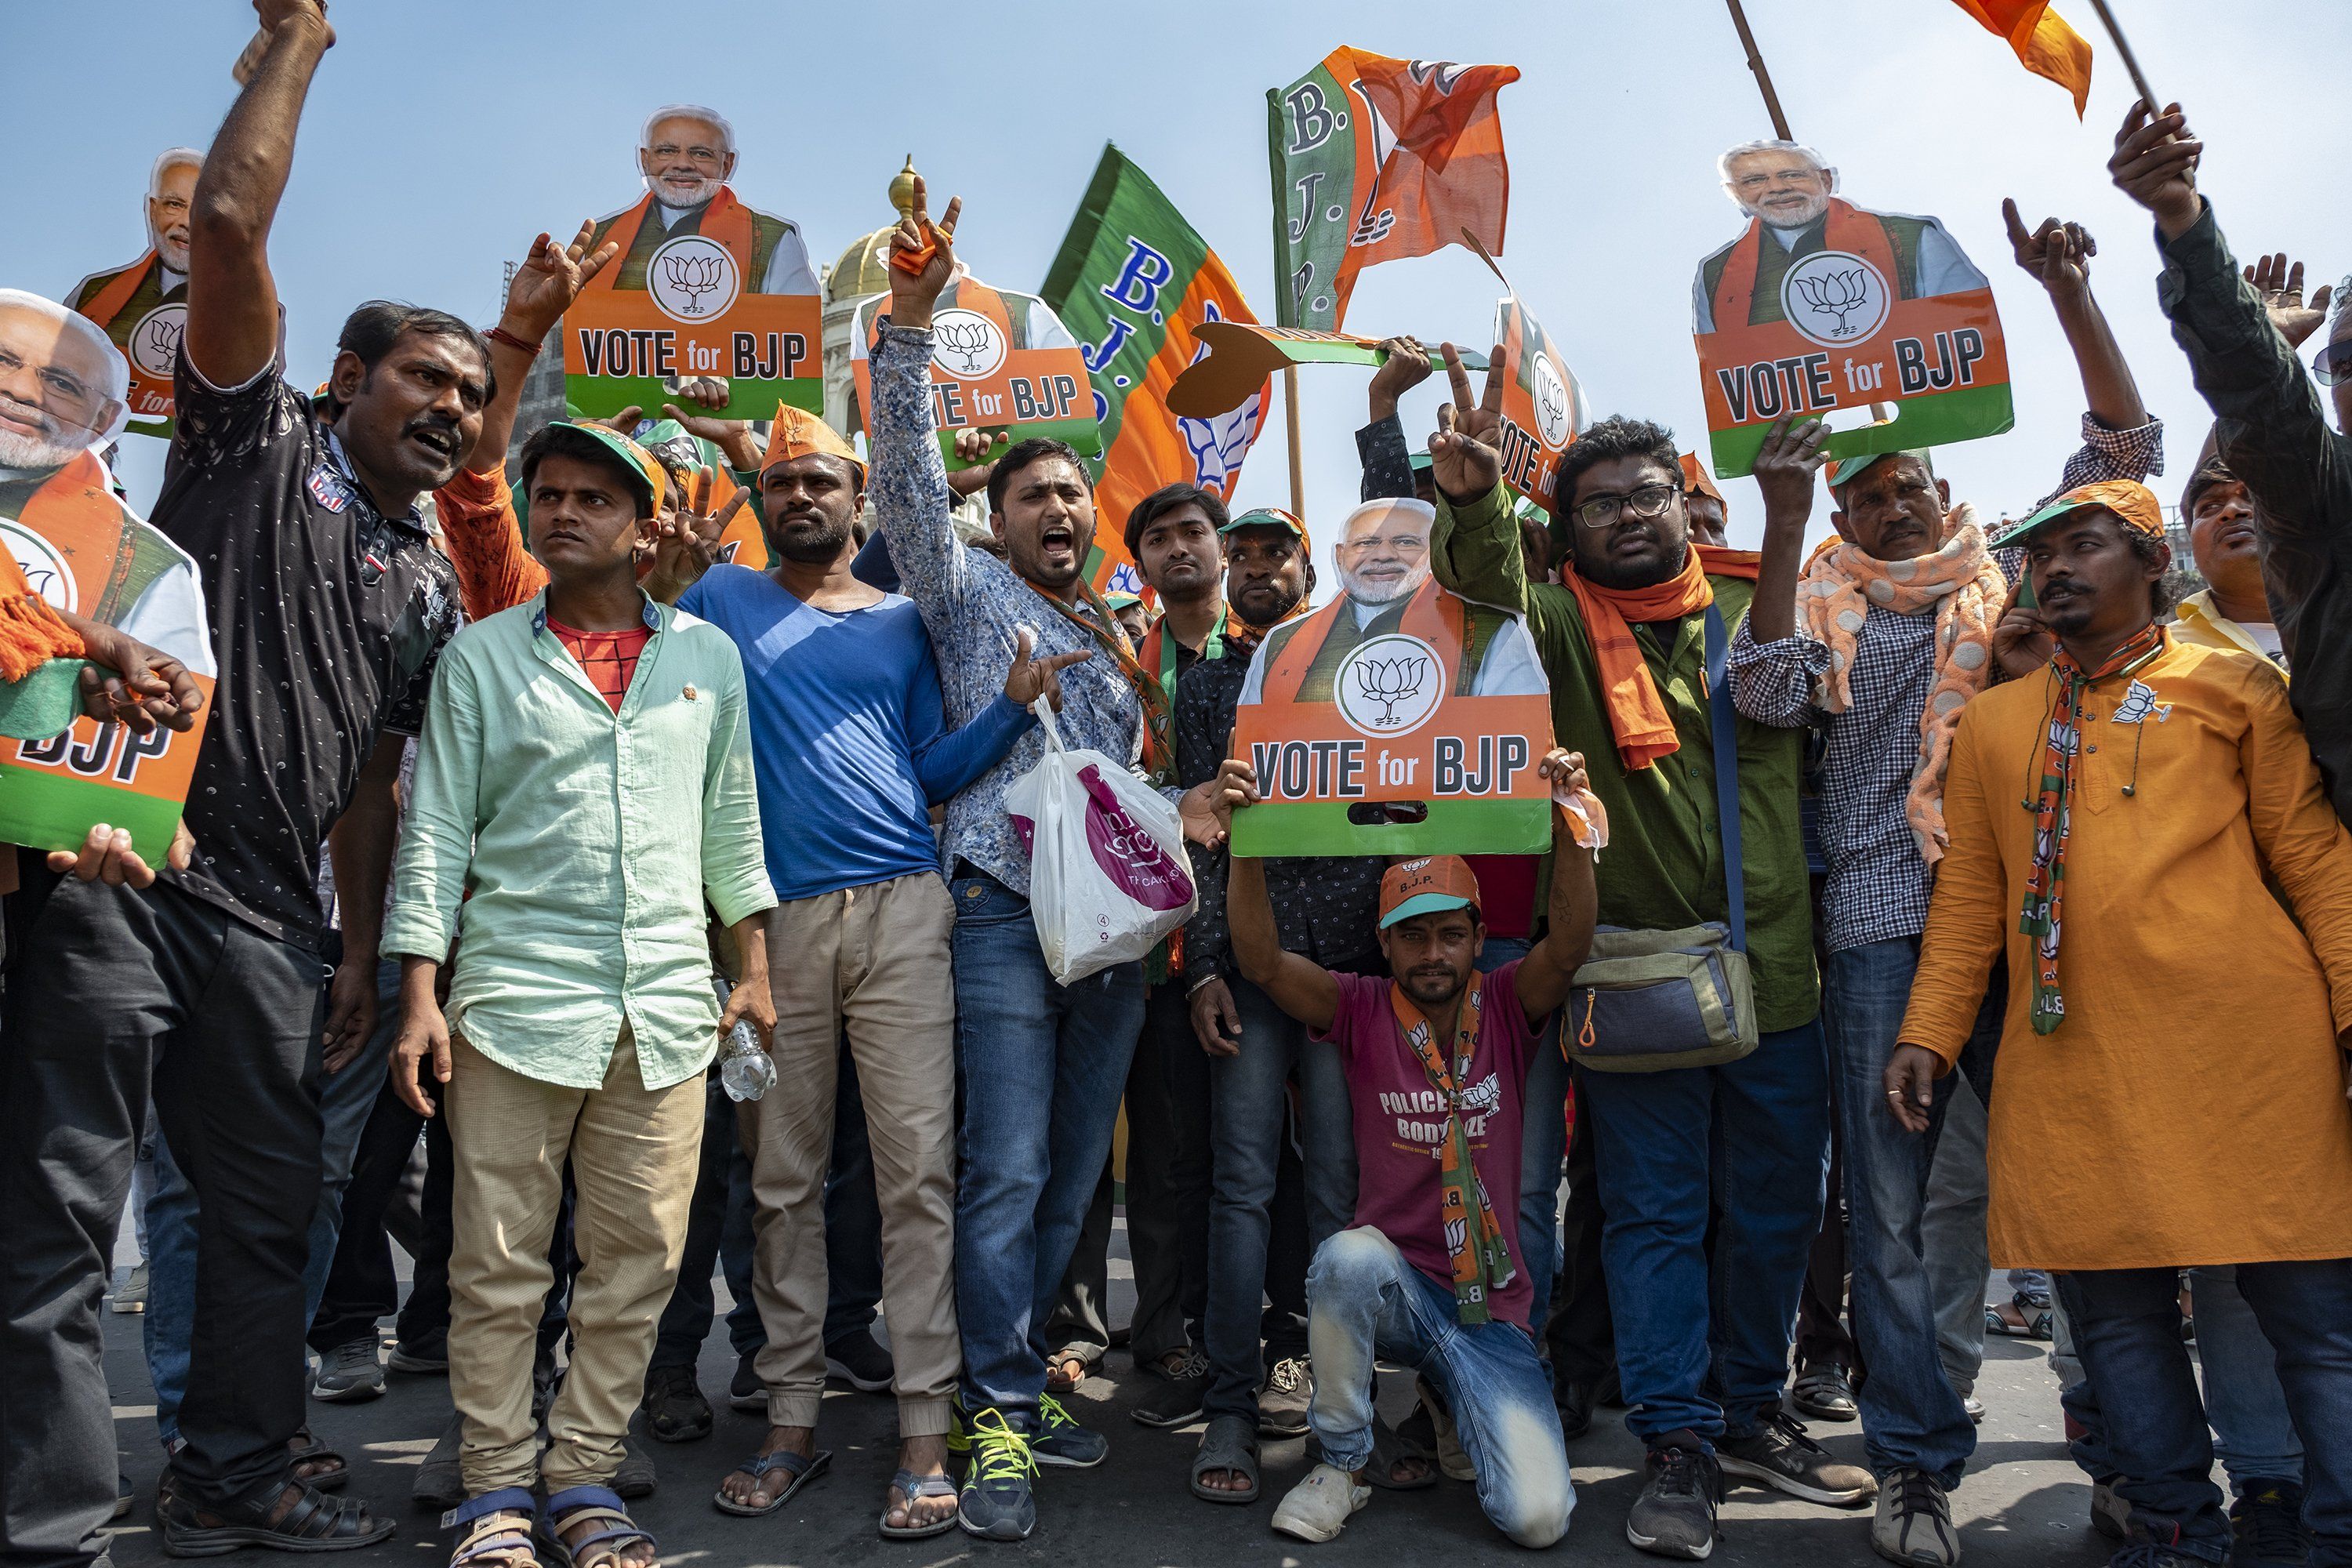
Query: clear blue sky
column 442, row 135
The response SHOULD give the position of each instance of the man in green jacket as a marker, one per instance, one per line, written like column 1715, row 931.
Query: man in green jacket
column 586, row 776
column 1702, row 1346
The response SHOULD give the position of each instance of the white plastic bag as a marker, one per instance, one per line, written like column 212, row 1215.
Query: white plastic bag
column 1107, row 872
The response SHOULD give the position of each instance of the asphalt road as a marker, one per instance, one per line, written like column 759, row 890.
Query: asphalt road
column 2023, row 1504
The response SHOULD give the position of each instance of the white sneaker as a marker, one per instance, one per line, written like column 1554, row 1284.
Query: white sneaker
column 1914, row 1523
column 1317, row 1508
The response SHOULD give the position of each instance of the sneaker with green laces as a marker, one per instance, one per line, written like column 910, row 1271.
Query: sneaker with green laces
column 1063, row 1443
column 996, row 1503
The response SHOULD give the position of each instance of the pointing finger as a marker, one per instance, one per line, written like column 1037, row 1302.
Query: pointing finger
column 1492, row 403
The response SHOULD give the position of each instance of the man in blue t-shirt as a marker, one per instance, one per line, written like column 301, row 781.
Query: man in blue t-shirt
column 850, row 750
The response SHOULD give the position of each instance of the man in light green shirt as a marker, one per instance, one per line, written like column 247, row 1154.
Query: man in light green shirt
column 584, row 784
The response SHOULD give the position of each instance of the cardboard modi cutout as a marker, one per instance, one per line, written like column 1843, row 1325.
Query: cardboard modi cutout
column 1400, row 719
column 1000, row 361
column 143, row 306
column 704, row 286
column 83, row 551
column 1821, row 305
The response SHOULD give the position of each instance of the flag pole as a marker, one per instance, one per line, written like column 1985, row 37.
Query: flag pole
column 2131, row 62
column 1290, row 418
column 1764, row 78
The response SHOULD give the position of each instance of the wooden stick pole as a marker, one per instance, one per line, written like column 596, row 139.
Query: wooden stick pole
column 1290, row 419
column 1763, row 78
column 2131, row 62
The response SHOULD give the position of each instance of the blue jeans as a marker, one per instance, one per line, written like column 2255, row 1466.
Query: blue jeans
column 2148, row 1428
column 1706, row 1349
column 1363, row 1300
column 1247, row 1104
column 345, row 1099
column 1042, row 1066
column 1910, row 1416
column 2254, row 1436
column 1543, row 1144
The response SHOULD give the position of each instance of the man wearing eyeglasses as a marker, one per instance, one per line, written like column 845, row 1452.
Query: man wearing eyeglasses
column 1702, row 1345
column 2268, row 427
column 687, row 155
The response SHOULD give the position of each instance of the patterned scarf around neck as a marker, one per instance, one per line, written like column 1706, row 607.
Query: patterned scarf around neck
column 1965, row 589
column 1482, row 1262
column 2046, row 880
column 1159, row 732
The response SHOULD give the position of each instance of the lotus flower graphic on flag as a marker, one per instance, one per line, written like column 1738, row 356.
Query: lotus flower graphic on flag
column 693, row 277
column 1389, row 681
column 1838, row 294
column 966, row 343
column 1219, row 445
column 157, row 348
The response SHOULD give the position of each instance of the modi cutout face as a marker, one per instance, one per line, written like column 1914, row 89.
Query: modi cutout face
column 1383, row 550
column 60, row 385
column 1780, row 185
column 685, row 159
column 167, row 214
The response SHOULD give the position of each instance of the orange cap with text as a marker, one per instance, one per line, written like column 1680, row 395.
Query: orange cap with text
column 1426, row 885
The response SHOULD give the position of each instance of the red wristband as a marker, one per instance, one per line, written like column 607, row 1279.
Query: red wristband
column 501, row 335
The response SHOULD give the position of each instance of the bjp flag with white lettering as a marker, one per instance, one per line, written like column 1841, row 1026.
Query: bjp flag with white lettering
column 1376, row 160
column 1133, row 282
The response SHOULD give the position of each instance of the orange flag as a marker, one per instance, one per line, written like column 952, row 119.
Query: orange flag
column 2044, row 42
column 1377, row 159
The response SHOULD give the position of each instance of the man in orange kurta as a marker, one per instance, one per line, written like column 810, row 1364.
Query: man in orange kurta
column 2173, row 1091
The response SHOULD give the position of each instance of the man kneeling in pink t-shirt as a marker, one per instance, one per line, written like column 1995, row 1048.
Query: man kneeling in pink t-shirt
column 1436, row 1061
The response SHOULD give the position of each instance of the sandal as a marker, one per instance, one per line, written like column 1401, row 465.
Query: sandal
column 1390, row 1446
column 594, row 1505
column 913, row 1487
column 314, row 1522
column 760, row 1467
column 499, row 1531
column 1059, row 1381
column 2038, row 1326
column 1229, row 1444
column 306, row 1449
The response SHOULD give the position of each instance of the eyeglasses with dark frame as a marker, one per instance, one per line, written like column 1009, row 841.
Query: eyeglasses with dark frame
column 1649, row 501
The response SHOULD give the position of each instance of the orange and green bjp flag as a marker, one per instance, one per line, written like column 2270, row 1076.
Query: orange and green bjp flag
column 1134, row 283
column 1376, row 160
column 2045, row 45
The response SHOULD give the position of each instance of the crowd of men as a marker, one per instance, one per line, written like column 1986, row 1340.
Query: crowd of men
column 515, row 800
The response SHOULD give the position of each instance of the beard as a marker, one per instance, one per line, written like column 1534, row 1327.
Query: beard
column 1371, row 593
column 172, row 246
column 43, row 451
column 1265, row 605
column 697, row 189
column 1784, row 217
column 817, row 542
column 1430, row 988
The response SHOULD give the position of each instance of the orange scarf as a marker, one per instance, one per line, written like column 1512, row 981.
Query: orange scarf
column 1857, row 233
column 1637, row 714
column 1721, row 561
column 726, row 222
column 31, row 631
column 108, row 301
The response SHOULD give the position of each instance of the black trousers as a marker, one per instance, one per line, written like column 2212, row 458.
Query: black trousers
column 114, row 991
column 1580, row 1332
column 362, row 1284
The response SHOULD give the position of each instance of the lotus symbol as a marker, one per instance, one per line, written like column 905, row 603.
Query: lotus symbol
column 1838, row 294
column 1389, row 681
column 159, row 340
column 693, row 277
column 967, row 345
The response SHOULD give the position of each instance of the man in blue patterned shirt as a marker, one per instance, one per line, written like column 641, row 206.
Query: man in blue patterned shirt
column 1881, row 643
column 1043, row 1063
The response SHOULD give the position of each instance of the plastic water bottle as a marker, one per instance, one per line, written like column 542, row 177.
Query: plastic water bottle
column 744, row 1069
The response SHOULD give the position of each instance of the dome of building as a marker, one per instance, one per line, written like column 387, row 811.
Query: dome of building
column 863, row 269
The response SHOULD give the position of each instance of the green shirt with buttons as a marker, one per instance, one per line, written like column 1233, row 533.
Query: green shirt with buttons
column 1663, row 867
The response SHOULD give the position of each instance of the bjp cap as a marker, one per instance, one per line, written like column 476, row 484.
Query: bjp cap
column 2133, row 503
column 1424, row 887
column 1699, row 482
column 638, row 460
column 1269, row 516
column 797, row 432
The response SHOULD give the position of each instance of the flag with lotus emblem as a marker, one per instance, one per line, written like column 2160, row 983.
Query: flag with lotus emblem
column 1134, row 281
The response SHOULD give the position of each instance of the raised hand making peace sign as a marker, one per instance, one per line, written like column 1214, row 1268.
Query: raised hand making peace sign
column 923, row 258
column 1465, row 458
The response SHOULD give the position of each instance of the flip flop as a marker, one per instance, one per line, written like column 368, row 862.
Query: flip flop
column 1389, row 1446
column 912, row 1486
column 759, row 1467
column 309, row 1450
column 1229, row 1444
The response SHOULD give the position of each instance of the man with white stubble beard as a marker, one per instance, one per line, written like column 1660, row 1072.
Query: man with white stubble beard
column 686, row 155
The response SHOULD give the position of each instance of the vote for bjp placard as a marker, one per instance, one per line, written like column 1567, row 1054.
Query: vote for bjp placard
column 704, row 286
column 142, row 306
column 1001, row 360
column 1821, row 305
column 1399, row 718
column 63, row 398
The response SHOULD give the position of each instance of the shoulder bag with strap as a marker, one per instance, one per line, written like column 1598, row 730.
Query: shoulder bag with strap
column 1649, row 1000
